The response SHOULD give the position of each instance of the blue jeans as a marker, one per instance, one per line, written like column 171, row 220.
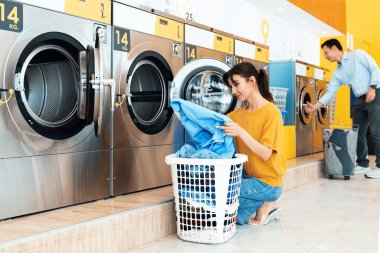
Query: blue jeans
column 253, row 194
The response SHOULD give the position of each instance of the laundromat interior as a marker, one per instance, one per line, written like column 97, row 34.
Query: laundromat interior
column 86, row 120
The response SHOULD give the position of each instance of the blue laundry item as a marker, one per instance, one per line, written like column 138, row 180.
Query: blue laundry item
column 205, row 194
column 201, row 197
column 188, row 151
column 200, row 123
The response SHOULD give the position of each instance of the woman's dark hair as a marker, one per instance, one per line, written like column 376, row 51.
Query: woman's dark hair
column 246, row 70
column 332, row 42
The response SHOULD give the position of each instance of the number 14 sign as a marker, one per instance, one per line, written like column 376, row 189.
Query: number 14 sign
column 11, row 16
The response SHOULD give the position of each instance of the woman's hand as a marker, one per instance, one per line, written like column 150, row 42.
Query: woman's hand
column 232, row 129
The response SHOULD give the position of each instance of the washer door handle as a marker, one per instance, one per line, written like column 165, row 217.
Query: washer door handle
column 110, row 83
column 172, row 93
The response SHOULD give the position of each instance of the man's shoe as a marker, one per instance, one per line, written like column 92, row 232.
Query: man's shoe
column 360, row 170
column 375, row 173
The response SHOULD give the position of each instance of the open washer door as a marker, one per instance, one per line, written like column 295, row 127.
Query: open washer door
column 201, row 82
column 91, row 85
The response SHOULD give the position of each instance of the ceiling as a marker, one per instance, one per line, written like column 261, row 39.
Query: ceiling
column 294, row 15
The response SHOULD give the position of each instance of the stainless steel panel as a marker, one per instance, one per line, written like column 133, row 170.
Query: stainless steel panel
column 209, row 53
column 18, row 138
column 141, row 168
column 257, row 64
column 304, row 127
column 322, row 117
column 138, row 157
column 33, row 184
column 39, row 173
column 126, row 134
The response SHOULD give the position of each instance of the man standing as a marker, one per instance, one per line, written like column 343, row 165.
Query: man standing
column 358, row 70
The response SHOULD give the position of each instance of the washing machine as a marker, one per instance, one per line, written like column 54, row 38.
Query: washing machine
column 208, row 55
column 322, row 114
column 305, row 92
column 146, row 57
column 253, row 52
column 55, row 127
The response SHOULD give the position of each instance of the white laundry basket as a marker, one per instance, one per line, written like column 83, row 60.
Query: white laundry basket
column 279, row 95
column 206, row 194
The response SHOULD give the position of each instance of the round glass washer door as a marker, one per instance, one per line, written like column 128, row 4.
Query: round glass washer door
column 306, row 96
column 201, row 82
column 147, row 96
column 322, row 112
column 207, row 89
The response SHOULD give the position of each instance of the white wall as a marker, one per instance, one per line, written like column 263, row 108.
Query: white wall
column 286, row 41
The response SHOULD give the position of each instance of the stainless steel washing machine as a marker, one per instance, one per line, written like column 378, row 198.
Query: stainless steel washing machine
column 253, row 52
column 322, row 115
column 305, row 92
column 148, row 53
column 208, row 55
column 55, row 130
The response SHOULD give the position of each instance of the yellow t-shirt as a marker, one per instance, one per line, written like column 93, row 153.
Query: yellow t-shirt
column 265, row 126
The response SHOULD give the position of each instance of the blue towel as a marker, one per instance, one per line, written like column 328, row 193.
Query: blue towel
column 200, row 123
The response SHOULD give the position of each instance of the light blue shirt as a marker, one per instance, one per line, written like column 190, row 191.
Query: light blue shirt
column 358, row 70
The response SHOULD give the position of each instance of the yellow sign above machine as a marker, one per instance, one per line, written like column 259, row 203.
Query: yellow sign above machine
column 309, row 71
column 262, row 54
column 97, row 10
column 326, row 75
column 169, row 29
column 223, row 43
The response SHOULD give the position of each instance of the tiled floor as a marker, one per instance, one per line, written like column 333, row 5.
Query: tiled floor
column 320, row 217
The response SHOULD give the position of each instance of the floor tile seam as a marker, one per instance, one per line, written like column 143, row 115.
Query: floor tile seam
column 67, row 228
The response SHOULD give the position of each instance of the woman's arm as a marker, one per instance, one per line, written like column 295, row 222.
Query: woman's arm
column 233, row 129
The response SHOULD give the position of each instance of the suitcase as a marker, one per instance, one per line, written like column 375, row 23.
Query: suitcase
column 339, row 146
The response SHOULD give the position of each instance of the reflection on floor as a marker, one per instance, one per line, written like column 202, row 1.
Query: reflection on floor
column 324, row 216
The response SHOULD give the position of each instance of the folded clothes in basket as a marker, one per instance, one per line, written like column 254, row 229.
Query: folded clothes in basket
column 200, row 123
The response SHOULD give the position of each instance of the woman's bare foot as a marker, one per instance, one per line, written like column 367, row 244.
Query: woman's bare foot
column 262, row 213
